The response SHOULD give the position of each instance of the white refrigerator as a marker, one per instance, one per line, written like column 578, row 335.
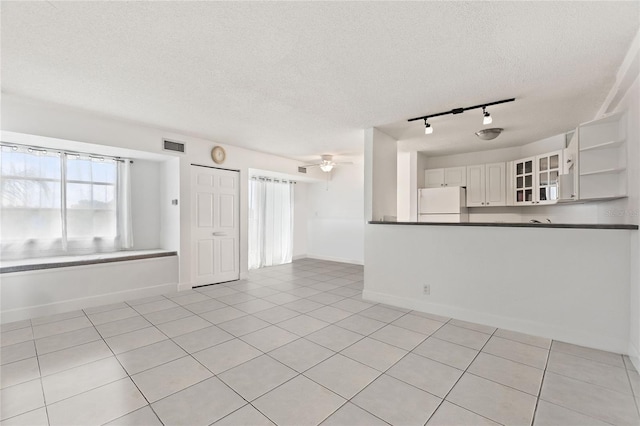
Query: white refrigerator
column 448, row 204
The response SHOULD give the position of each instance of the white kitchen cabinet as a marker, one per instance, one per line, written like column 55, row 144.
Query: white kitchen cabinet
column 486, row 185
column 602, row 158
column 549, row 166
column 524, row 181
column 536, row 179
column 451, row 176
column 495, row 184
column 434, row 178
column 455, row 176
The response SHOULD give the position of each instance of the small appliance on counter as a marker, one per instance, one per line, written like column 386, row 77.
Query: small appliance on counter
column 448, row 204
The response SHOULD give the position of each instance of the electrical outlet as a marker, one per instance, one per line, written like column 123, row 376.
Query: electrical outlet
column 426, row 289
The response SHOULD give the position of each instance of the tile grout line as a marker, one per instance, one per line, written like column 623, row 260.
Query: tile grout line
column 460, row 378
column 544, row 375
column 349, row 400
column 635, row 397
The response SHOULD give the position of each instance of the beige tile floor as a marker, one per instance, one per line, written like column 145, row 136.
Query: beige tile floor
column 297, row 345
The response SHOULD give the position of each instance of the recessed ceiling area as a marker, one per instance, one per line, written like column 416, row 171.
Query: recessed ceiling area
column 301, row 79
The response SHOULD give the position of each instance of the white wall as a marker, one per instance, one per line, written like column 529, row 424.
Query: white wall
column 169, row 213
column 31, row 294
column 411, row 166
column 26, row 116
column 565, row 284
column 335, row 211
column 628, row 210
column 380, row 174
column 300, row 220
column 145, row 204
column 406, row 177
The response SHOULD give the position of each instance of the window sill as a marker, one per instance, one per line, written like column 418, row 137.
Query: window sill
column 35, row 264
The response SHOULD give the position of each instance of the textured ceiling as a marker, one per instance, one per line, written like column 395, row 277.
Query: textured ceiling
column 300, row 79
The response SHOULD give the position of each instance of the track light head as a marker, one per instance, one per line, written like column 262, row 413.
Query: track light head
column 427, row 128
column 486, row 117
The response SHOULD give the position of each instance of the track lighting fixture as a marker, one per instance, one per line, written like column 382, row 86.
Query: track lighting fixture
column 486, row 117
column 427, row 128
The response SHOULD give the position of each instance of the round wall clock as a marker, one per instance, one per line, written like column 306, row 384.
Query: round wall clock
column 218, row 154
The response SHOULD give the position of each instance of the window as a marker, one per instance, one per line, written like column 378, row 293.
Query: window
column 57, row 203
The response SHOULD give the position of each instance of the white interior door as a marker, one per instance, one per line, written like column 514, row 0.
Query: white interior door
column 215, row 228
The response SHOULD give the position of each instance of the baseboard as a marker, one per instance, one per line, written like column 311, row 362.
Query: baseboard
column 84, row 302
column 299, row 256
column 184, row 286
column 335, row 259
column 602, row 342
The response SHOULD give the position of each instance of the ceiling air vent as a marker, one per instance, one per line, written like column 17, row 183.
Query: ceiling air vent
column 174, row 146
column 302, row 170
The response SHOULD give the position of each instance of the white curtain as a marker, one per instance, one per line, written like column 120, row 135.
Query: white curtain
column 56, row 203
column 32, row 210
column 270, row 222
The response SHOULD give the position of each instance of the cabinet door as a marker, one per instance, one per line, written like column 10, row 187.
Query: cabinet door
column 496, row 184
column 548, row 169
column 455, row 176
column 475, row 186
column 524, row 185
column 433, row 178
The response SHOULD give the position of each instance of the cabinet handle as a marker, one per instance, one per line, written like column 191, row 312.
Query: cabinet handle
column 487, row 203
column 482, row 204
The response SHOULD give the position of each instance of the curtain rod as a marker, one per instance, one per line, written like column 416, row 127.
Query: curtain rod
column 274, row 179
column 87, row 154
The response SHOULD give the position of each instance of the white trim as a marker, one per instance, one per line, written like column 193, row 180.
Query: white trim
column 335, row 259
column 299, row 256
column 184, row 286
column 85, row 302
column 533, row 328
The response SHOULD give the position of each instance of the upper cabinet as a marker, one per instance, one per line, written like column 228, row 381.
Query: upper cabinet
column 452, row 176
column 535, row 179
column 486, row 185
column 602, row 158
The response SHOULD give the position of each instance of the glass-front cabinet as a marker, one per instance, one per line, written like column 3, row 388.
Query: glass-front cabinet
column 536, row 179
column 524, row 183
column 549, row 167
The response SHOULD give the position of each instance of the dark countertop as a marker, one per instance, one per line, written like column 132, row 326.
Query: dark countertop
column 50, row 263
column 513, row 225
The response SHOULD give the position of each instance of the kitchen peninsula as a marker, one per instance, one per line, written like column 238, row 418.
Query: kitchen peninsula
column 574, row 279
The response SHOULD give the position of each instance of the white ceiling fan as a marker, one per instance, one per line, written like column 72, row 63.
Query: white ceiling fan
column 326, row 165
